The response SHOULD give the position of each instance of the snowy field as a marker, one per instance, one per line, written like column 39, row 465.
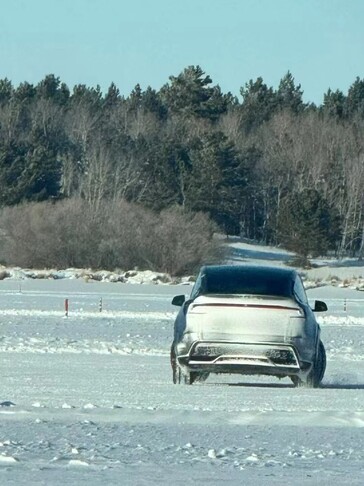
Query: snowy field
column 89, row 398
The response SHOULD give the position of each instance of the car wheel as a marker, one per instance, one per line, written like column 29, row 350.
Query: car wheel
column 177, row 374
column 176, row 370
column 322, row 353
column 318, row 370
column 296, row 381
column 202, row 377
column 191, row 377
column 194, row 376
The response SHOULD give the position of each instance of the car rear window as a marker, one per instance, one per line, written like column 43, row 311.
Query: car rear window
column 241, row 281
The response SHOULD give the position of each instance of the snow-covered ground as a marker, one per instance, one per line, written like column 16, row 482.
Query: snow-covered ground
column 89, row 398
column 323, row 269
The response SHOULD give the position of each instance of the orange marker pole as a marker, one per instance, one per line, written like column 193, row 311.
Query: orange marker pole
column 66, row 308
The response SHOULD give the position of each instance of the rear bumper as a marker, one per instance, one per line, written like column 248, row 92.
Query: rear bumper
column 243, row 358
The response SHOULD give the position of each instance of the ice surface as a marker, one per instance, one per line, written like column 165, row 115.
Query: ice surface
column 89, row 398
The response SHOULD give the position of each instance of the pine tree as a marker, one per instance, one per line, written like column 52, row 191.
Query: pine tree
column 307, row 224
column 190, row 94
column 289, row 96
column 354, row 102
column 259, row 103
column 334, row 103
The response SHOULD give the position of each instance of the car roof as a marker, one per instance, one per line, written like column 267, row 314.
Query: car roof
column 253, row 270
column 245, row 279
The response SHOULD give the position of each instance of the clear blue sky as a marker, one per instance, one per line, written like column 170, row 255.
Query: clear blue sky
column 145, row 41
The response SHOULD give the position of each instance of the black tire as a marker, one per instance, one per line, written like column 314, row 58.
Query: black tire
column 202, row 377
column 191, row 377
column 317, row 373
column 318, row 370
column 177, row 374
column 178, row 377
column 322, row 352
column 296, row 381
column 176, row 370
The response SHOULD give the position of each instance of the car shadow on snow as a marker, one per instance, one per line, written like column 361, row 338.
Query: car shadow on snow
column 255, row 385
column 328, row 386
column 343, row 386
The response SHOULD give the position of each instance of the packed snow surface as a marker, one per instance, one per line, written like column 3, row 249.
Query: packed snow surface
column 89, row 398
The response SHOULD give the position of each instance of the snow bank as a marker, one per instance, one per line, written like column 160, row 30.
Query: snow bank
column 347, row 273
column 130, row 276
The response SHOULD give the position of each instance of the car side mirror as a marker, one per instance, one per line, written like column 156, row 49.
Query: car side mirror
column 320, row 306
column 178, row 300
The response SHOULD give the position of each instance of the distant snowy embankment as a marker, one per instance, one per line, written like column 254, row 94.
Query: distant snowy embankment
column 131, row 276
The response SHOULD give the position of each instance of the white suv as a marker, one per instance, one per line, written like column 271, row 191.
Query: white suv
column 249, row 320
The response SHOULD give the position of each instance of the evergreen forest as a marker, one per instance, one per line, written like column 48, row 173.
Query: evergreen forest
column 264, row 165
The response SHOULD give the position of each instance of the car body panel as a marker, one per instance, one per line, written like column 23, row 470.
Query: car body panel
column 223, row 331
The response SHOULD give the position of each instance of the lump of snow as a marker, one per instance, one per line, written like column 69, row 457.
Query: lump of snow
column 8, row 460
column 130, row 273
column 89, row 406
column 211, row 454
column 66, row 405
column 77, row 462
column 222, row 453
column 146, row 276
column 116, row 278
column 252, row 458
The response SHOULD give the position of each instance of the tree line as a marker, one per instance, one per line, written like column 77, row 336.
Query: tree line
column 265, row 165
